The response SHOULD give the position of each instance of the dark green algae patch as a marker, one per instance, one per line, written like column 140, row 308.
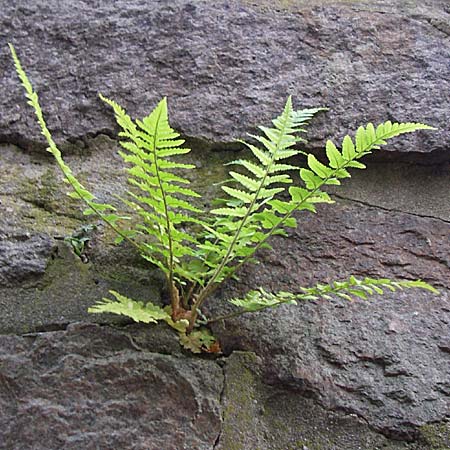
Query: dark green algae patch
column 36, row 203
column 435, row 436
column 68, row 288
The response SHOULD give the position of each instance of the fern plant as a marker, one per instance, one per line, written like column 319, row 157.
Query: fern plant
column 198, row 250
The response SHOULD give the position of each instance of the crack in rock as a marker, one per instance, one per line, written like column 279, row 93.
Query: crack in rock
column 373, row 205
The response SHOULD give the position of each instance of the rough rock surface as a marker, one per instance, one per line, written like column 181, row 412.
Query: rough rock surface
column 360, row 369
column 386, row 360
column 36, row 266
column 23, row 256
column 271, row 417
column 229, row 65
column 88, row 388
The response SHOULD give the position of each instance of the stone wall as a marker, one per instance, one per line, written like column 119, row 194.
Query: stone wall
column 323, row 375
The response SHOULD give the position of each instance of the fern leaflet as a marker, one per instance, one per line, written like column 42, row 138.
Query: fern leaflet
column 136, row 310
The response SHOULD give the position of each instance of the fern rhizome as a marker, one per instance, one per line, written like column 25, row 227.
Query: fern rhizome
column 198, row 251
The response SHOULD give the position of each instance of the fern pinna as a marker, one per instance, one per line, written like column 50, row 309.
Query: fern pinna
column 197, row 251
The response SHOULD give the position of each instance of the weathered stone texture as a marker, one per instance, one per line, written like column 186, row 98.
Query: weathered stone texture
column 89, row 388
column 261, row 416
column 23, row 256
column 229, row 65
column 385, row 360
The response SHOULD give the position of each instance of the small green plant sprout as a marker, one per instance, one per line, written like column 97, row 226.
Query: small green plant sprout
column 199, row 250
column 79, row 240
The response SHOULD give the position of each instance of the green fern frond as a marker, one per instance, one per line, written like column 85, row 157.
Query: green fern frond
column 353, row 287
column 318, row 174
column 246, row 215
column 277, row 214
column 148, row 146
column 106, row 212
column 367, row 139
column 237, row 228
column 136, row 310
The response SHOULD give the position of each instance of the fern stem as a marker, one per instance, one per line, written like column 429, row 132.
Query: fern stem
column 236, row 314
column 189, row 294
column 174, row 298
